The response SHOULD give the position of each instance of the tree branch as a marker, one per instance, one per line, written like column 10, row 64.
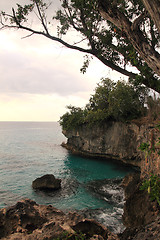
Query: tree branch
column 80, row 41
column 14, row 18
column 82, row 17
column 137, row 21
column 93, row 52
column 42, row 19
column 28, row 36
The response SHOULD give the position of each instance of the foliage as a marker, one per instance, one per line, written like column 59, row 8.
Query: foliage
column 117, row 101
column 72, row 119
column 85, row 64
column 100, row 99
column 124, row 102
column 99, row 116
column 152, row 186
column 144, row 147
column 113, row 44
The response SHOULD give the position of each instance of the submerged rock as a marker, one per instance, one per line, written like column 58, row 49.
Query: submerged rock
column 110, row 218
column 47, row 182
column 109, row 190
column 111, row 193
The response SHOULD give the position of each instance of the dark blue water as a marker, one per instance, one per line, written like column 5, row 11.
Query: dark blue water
column 29, row 150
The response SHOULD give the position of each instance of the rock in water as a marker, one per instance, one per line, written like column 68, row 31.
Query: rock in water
column 47, row 182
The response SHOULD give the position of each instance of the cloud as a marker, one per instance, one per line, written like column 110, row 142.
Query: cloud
column 39, row 72
column 39, row 66
column 7, row 5
column 35, row 107
column 39, row 77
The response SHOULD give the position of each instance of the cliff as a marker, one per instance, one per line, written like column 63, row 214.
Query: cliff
column 141, row 215
column 116, row 140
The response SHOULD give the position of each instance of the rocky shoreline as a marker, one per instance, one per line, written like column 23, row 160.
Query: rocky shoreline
column 121, row 141
column 29, row 221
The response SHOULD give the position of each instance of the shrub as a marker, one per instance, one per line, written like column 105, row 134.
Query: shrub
column 152, row 186
column 72, row 119
column 117, row 101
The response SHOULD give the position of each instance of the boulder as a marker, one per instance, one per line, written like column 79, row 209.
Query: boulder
column 94, row 230
column 47, row 182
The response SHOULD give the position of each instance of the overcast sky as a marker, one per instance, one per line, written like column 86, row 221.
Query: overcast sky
column 39, row 77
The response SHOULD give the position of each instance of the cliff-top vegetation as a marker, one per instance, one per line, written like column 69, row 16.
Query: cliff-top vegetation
column 119, row 101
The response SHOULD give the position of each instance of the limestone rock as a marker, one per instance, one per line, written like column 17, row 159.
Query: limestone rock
column 92, row 228
column 141, row 215
column 29, row 221
column 47, row 181
column 138, row 209
column 116, row 140
column 130, row 183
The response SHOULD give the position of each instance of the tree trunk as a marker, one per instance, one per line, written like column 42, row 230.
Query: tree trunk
column 153, row 7
column 134, row 34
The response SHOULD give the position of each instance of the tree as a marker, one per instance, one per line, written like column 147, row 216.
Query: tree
column 120, row 33
column 124, row 102
column 141, row 31
column 119, row 101
column 111, row 101
column 99, row 100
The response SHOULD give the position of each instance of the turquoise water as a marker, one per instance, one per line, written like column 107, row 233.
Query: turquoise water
column 29, row 150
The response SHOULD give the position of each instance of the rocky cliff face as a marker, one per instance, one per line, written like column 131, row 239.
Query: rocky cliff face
column 141, row 215
column 115, row 140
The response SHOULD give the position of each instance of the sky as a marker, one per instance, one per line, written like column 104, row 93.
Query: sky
column 39, row 77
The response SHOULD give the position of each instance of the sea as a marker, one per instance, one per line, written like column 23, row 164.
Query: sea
column 90, row 186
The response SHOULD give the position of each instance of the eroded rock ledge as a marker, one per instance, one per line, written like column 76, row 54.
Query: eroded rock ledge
column 114, row 140
column 111, row 140
column 29, row 221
